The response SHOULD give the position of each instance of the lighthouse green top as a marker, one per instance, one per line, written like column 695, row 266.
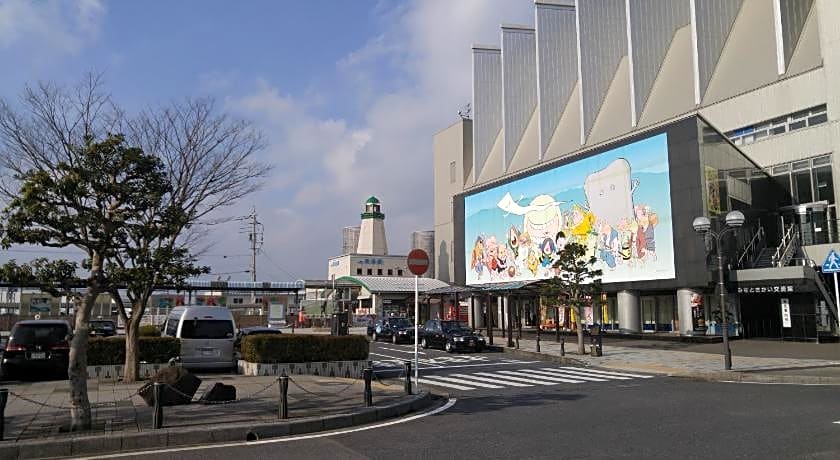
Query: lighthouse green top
column 372, row 210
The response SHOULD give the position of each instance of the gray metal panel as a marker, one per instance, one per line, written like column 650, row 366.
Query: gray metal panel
column 603, row 42
column 519, row 76
column 794, row 13
column 557, row 57
column 487, row 103
column 714, row 19
column 653, row 24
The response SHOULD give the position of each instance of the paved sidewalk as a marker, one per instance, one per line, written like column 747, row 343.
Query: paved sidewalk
column 693, row 364
column 38, row 410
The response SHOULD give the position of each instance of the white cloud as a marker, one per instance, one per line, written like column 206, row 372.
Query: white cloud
column 50, row 26
column 415, row 75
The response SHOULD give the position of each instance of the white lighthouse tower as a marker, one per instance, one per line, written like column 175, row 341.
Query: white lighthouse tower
column 372, row 233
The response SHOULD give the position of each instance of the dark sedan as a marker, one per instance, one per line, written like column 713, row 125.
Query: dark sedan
column 103, row 328
column 394, row 329
column 451, row 336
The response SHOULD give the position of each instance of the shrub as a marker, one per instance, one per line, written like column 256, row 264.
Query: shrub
column 301, row 348
column 111, row 350
column 148, row 331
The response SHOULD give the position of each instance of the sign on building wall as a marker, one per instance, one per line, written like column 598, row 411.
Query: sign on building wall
column 616, row 203
column 785, row 312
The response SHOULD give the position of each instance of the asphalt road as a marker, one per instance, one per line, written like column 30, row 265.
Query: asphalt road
column 630, row 417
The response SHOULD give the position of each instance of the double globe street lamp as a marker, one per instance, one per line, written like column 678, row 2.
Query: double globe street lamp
column 702, row 225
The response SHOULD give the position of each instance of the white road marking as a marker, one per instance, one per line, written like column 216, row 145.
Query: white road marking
column 487, row 379
column 518, row 379
column 551, row 378
column 446, row 406
column 559, row 373
column 610, row 373
column 461, row 381
column 426, row 381
column 402, row 351
column 837, row 422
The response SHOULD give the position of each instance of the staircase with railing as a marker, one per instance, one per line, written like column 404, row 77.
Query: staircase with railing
column 787, row 248
column 751, row 252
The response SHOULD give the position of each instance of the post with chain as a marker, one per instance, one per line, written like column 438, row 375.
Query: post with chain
column 4, row 397
column 408, row 377
column 283, row 410
column 157, row 415
column 563, row 346
column 368, row 374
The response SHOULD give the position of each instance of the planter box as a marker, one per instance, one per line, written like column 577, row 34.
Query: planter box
column 346, row 369
column 114, row 372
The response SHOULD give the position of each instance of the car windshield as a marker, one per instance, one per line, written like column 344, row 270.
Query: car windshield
column 40, row 334
column 102, row 324
column 401, row 323
column 454, row 326
column 207, row 329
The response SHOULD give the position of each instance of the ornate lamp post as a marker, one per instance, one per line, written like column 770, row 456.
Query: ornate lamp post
column 702, row 225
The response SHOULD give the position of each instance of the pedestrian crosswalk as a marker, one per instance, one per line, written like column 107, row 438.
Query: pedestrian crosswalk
column 527, row 377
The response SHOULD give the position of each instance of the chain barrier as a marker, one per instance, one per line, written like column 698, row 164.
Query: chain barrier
column 42, row 404
column 322, row 395
column 399, row 377
column 249, row 397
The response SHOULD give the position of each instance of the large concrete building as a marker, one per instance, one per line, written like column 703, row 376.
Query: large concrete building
column 569, row 115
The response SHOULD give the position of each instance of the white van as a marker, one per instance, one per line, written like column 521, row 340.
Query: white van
column 207, row 335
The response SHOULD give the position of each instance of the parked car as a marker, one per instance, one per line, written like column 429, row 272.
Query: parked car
column 207, row 336
column 37, row 346
column 451, row 336
column 393, row 329
column 103, row 327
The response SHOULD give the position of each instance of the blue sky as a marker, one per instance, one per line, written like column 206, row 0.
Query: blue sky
column 348, row 93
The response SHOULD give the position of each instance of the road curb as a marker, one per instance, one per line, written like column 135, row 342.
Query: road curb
column 206, row 434
column 542, row 356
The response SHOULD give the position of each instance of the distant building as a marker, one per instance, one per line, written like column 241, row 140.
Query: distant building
column 425, row 240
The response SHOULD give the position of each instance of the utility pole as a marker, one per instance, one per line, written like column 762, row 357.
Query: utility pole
column 255, row 237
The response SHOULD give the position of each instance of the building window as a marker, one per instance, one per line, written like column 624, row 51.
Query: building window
column 370, row 271
column 452, row 172
column 806, row 180
column 791, row 122
column 237, row 300
column 399, row 273
column 358, row 271
column 390, row 272
column 379, row 271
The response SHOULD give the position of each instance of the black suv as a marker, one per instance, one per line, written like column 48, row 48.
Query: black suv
column 37, row 345
column 451, row 336
column 393, row 329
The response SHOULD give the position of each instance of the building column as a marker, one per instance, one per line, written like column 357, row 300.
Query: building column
column 687, row 299
column 629, row 311
column 501, row 310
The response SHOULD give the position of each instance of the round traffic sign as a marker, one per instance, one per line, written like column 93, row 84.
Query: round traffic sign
column 418, row 261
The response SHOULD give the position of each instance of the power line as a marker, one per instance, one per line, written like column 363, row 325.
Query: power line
column 278, row 266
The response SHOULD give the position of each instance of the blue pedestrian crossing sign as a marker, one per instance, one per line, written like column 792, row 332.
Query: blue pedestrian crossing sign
column 832, row 262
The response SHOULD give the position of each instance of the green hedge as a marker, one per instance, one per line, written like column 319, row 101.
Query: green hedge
column 148, row 331
column 111, row 350
column 301, row 348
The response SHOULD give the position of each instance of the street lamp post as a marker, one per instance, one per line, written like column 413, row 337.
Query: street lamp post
column 702, row 225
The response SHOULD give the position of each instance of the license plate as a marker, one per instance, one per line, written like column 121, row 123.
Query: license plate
column 38, row 355
column 209, row 352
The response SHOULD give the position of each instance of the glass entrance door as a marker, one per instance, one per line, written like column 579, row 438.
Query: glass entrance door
column 648, row 314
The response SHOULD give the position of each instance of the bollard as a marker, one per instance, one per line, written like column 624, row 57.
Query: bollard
column 157, row 415
column 368, row 373
column 4, row 397
column 563, row 346
column 283, row 409
column 408, row 377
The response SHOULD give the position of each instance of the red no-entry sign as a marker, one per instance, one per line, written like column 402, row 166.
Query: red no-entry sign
column 418, row 261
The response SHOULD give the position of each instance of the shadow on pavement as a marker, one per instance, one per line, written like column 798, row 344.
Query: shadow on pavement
column 500, row 402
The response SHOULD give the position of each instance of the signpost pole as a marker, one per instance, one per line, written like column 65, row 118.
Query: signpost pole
column 836, row 298
column 417, row 327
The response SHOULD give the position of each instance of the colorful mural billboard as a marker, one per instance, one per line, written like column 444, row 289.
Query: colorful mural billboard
column 616, row 203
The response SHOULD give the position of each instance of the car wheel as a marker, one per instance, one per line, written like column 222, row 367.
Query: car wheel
column 424, row 344
column 395, row 340
column 479, row 349
column 373, row 337
column 448, row 347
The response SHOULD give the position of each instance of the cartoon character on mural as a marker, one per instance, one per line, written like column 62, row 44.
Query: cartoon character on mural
column 609, row 223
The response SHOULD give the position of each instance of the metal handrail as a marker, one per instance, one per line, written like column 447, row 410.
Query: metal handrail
column 749, row 250
column 787, row 237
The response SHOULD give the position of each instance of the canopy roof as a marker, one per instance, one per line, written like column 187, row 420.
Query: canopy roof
column 383, row 284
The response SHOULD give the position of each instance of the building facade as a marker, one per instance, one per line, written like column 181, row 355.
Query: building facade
column 616, row 122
